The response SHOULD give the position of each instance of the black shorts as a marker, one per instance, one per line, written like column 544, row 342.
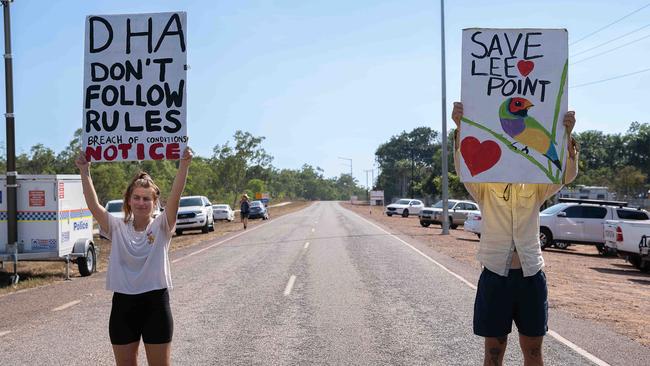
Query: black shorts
column 244, row 215
column 500, row 300
column 147, row 315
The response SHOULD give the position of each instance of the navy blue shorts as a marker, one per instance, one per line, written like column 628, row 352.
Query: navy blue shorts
column 500, row 300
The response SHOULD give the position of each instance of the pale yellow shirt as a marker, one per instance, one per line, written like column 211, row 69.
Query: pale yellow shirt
column 510, row 220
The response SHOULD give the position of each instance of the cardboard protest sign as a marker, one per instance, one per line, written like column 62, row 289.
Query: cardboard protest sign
column 134, row 87
column 514, row 96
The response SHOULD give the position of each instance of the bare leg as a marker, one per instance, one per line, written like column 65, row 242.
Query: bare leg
column 532, row 349
column 126, row 354
column 495, row 348
column 159, row 354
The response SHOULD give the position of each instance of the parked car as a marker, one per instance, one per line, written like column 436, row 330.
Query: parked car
column 223, row 212
column 114, row 207
column 404, row 207
column 473, row 223
column 630, row 240
column 258, row 210
column 575, row 221
column 194, row 212
column 457, row 210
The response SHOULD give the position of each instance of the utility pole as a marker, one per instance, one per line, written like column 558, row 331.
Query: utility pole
column 368, row 189
column 12, row 223
column 351, row 177
column 412, row 170
column 445, row 170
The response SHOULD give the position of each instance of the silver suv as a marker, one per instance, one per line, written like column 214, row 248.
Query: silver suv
column 457, row 210
column 575, row 221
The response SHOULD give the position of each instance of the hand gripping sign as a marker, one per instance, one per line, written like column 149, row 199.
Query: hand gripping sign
column 514, row 98
column 134, row 87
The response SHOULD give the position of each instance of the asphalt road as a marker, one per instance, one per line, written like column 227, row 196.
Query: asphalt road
column 321, row 286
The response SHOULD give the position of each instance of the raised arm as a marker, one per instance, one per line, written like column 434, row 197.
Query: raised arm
column 571, row 170
column 98, row 211
column 171, row 207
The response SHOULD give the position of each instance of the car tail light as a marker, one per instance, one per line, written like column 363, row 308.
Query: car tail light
column 477, row 217
column 619, row 234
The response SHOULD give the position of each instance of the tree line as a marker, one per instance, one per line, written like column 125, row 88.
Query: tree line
column 411, row 163
column 240, row 166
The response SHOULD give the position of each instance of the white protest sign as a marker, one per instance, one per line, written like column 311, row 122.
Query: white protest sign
column 134, row 87
column 514, row 94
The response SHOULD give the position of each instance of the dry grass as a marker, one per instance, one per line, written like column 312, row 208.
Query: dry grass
column 35, row 274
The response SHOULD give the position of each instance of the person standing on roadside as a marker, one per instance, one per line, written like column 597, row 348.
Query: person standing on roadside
column 138, row 268
column 244, row 209
column 512, row 286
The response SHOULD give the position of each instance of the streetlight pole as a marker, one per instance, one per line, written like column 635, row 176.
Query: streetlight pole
column 368, row 189
column 445, row 179
column 12, row 223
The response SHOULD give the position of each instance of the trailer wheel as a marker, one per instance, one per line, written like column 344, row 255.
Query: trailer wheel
column 425, row 223
column 87, row 264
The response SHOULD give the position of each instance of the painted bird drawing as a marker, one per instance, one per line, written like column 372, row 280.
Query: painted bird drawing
column 525, row 129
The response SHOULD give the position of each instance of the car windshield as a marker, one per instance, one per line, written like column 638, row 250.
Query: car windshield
column 221, row 207
column 554, row 209
column 114, row 207
column 256, row 204
column 403, row 202
column 450, row 204
column 191, row 201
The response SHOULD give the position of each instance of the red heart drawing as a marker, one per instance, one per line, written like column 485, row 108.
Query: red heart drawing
column 479, row 156
column 525, row 67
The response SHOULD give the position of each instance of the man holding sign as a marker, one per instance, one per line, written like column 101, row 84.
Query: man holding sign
column 513, row 155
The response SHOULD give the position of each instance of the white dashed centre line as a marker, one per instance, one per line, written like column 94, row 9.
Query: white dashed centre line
column 4, row 333
column 312, row 230
column 65, row 306
column 306, row 245
column 287, row 290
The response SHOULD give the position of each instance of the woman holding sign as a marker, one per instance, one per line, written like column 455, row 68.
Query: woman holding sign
column 138, row 270
column 512, row 286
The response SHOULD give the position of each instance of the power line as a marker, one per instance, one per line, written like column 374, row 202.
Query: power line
column 608, row 79
column 610, row 50
column 610, row 24
column 610, row 41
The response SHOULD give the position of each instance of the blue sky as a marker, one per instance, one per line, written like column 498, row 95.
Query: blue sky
column 321, row 79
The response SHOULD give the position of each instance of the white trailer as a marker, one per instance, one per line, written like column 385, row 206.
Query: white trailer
column 54, row 223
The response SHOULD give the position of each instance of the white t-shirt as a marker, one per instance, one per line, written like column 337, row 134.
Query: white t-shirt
column 139, row 261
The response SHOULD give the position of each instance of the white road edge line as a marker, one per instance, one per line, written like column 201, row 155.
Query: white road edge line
column 2, row 334
column 287, row 290
column 577, row 348
column 553, row 334
column 65, row 306
column 306, row 245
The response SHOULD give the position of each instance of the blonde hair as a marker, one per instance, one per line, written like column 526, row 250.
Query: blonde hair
column 143, row 180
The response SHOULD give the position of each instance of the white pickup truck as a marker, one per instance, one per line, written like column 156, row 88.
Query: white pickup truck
column 630, row 240
column 581, row 221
